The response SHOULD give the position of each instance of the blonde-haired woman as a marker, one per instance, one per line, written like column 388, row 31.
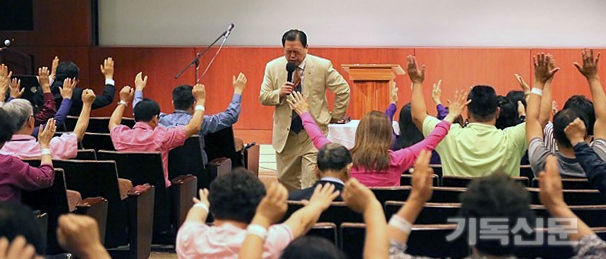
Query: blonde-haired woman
column 373, row 163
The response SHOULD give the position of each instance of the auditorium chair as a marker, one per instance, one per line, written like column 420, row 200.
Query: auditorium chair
column 130, row 212
column 592, row 215
column 464, row 181
column 222, row 144
column 400, row 193
column 56, row 201
column 574, row 197
column 326, row 230
column 426, row 240
column 97, row 141
column 171, row 204
column 86, row 154
column 336, row 213
column 437, row 169
column 526, row 171
column 406, row 179
column 96, row 124
column 570, row 183
column 432, row 213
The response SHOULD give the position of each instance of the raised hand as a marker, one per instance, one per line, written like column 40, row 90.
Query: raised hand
column 54, row 66
column 43, row 79
column 68, row 88
column 357, row 196
column 393, row 92
column 140, row 81
column 203, row 193
column 88, row 96
column 107, row 68
column 17, row 249
column 554, row 107
column 46, row 133
column 239, row 83
column 457, row 106
column 544, row 68
column 422, row 183
column 521, row 109
column 522, row 83
column 15, row 88
column 576, row 131
column 273, row 206
column 80, row 236
column 550, row 184
column 416, row 75
column 323, row 195
column 298, row 103
column 436, row 93
column 199, row 93
column 5, row 78
column 126, row 94
column 590, row 65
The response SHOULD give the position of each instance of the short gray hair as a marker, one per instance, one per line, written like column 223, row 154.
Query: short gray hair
column 19, row 110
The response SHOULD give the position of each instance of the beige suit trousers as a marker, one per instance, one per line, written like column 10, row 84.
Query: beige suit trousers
column 297, row 162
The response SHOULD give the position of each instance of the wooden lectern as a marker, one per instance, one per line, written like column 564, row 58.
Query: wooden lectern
column 371, row 90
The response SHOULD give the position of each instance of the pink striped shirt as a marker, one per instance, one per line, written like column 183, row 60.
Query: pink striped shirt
column 26, row 147
column 400, row 160
column 142, row 137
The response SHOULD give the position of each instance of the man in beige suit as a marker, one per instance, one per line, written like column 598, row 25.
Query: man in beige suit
column 295, row 153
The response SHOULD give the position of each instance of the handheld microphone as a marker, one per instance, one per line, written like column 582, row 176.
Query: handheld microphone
column 290, row 67
column 229, row 28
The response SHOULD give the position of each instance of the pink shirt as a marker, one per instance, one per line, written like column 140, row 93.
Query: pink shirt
column 399, row 160
column 16, row 175
column 143, row 137
column 26, row 147
column 197, row 240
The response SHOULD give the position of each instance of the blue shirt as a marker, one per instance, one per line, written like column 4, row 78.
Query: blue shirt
column 210, row 123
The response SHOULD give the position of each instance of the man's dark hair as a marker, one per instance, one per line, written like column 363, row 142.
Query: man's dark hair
column 146, row 110
column 484, row 103
column 585, row 109
column 561, row 121
column 183, row 98
column 312, row 247
column 333, row 157
column 235, row 196
column 67, row 70
column 18, row 220
column 497, row 196
column 516, row 96
column 293, row 35
column 508, row 115
column 7, row 127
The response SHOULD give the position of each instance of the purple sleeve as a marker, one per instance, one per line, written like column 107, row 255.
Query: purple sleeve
column 31, row 178
column 390, row 112
column 442, row 111
column 314, row 132
column 60, row 116
column 406, row 157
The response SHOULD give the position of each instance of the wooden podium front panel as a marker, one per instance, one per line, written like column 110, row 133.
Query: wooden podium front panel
column 369, row 95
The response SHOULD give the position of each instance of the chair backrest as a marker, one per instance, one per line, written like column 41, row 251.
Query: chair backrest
column 336, row 213
column 326, row 230
column 464, row 181
column 53, row 202
column 222, row 144
column 187, row 159
column 97, row 141
column 400, row 193
column 574, row 197
column 142, row 168
column 426, row 240
column 86, row 154
column 437, row 169
column 432, row 213
column 406, row 179
column 99, row 179
column 592, row 215
column 570, row 183
column 95, row 124
column 526, row 171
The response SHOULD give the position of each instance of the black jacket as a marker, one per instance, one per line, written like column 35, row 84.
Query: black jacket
column 305, row 194
column 593, row 165
column 101, row 101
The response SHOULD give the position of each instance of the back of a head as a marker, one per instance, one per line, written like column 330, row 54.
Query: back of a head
column 508, row 115
column 312, row 247
column 7, row 127
column 146, row 110
column 516, row 96
column 409, row 133
column 67, row 70
column 333, row 157
column 183, row 98
column 561, row 121
column 496, row 196
column 484, row 103
column 18, row 220
column 373, row 139
column 585, row 109
column 235, row 196
column 20, row 110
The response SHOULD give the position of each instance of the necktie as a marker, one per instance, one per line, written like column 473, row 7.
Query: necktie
column 296, row 125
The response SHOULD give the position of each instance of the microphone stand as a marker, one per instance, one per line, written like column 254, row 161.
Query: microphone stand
column 196, row 60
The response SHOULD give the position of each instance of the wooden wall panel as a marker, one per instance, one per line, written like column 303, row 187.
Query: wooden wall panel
column 67, row 23
column 159, row 64
column 43, row 56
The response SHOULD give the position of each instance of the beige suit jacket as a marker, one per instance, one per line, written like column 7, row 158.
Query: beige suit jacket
column 319, row 75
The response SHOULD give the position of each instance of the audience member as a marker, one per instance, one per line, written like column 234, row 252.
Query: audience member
column 146, row 134
column 71, row 70
column 373, row 163
column 410, row 134
column 479, row 148
column 184, row 104
column 233, row 200
column 333, row 165
column 16, row 175
column 19, row 227
column 510, row 113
